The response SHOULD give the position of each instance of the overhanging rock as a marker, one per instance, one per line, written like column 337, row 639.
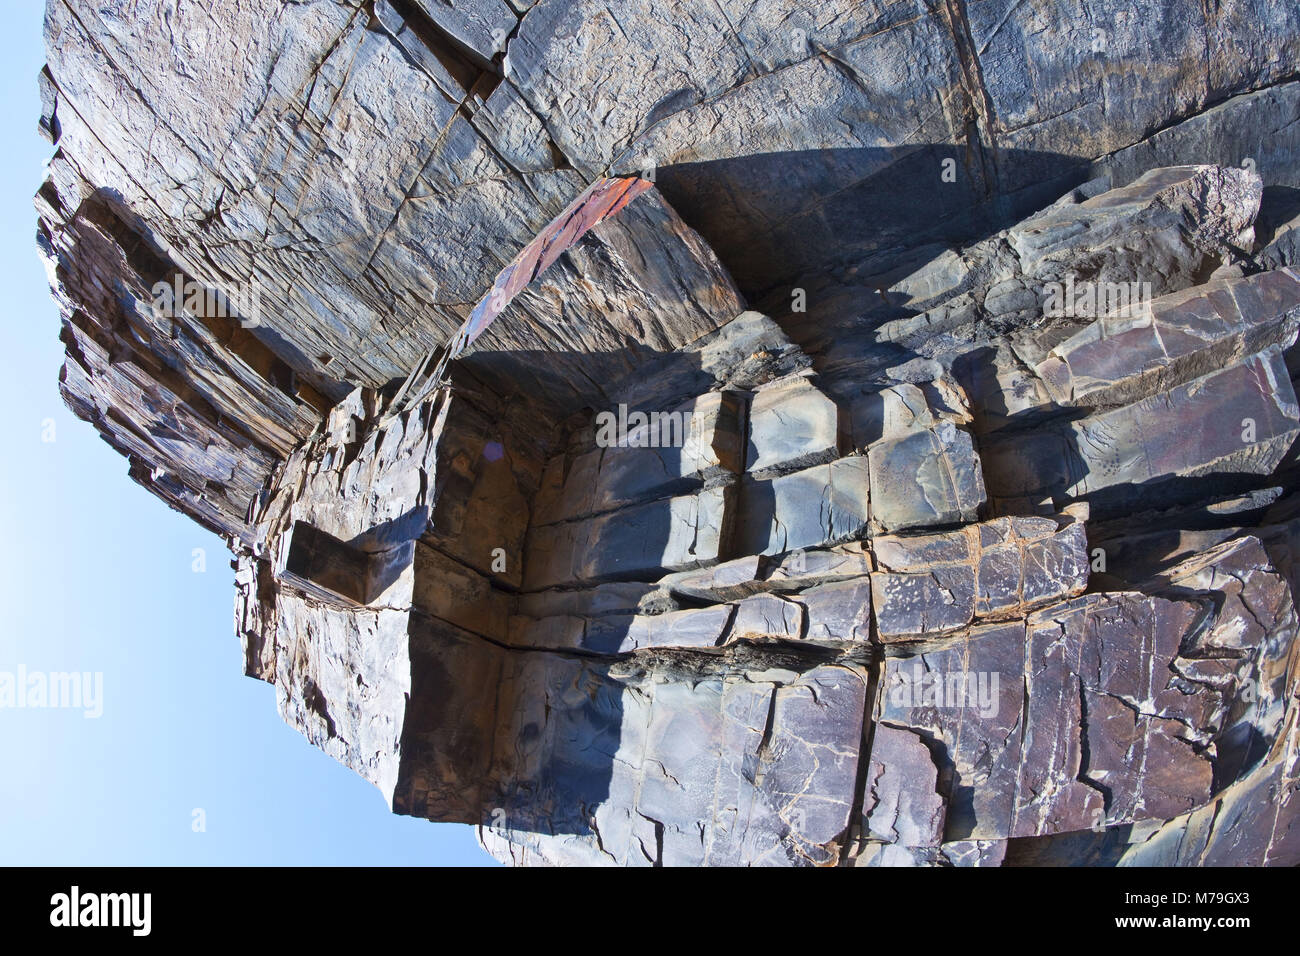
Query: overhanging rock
column 964, row 536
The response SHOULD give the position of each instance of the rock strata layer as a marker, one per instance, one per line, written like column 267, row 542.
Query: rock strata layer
column 729, row 433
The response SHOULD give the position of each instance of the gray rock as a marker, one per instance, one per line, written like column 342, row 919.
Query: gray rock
column 638, row 456
column 767, row 616
column 901, row 806
column 912, row 606
column 620, row 655
column 623, row 633
column 791, row 571
column 812, row 508
column 838, row 613
column 481, row 26
column 792, row 425
column 1241, row 420
column 969, row 853
column 966, row 696
column 902, row 409
column 925, row 478
column 641, row 541
column 709, row 446
column 1127, row 357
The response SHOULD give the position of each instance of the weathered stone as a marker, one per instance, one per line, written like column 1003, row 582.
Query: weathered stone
column 900, row 410
column 1102, row 694
column 812, row 777
column 799, row 569
column 726, row 581
column 1161, row 229
column 1027, row 562
column 838, row 613
column 1283, row 246
column 792, row 571
column 967, row 696
column 1001, row 390
column 638, row 456
column 901, row 806
column 709, row 445
column 1112, row 693
column 918, row 604
column 614, row 597
column 792, row 425
column 321, row 565
column 1255, row 822
column 749, row 759
column 812, row 508
column 1183, row 432
column 641, row 541
column 925, row 478
column 567, row 492
column 967, row 853
column 459, row 595
column 480, row 25
column 1240, row 420
column 1154, row 346
column 424, row 252
column 622, row 633
column 744, row 353
column 767, row 616
column 1243, row 652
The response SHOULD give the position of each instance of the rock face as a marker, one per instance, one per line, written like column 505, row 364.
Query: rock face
column 722, row 433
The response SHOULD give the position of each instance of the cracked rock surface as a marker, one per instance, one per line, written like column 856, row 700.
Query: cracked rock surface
column 722, row 433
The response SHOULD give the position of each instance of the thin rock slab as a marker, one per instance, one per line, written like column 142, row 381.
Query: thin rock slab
column 642, row 541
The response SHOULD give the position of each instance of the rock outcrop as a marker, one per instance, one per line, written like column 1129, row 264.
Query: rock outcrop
column 722, row 433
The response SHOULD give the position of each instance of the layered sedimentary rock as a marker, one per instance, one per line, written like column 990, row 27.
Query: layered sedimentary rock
column 958, row 528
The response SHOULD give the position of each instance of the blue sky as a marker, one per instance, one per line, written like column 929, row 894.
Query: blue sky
column 96, row 575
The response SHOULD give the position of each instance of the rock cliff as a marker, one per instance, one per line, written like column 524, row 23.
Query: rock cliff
column 677, row 433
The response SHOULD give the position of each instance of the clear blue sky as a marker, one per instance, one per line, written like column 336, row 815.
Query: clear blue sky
column 96, row 576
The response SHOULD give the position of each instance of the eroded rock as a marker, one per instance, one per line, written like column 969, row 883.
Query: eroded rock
column 849, row 611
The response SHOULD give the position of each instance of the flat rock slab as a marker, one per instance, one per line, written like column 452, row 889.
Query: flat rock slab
column 838, row 613
column 901, row 409
column 790, row 571
column 901, row 805
column 925, row 478
column 767, row 616
column 709, row 771
column 1076, row 719
column 1183, row 335
column 1242, row 419
column 930, row 584
column 812, row 508
column 966, row 697
column 693, row 628
column 640, row 456
column 640, row 542
column 1237, row 421
column 709, row 445
column 792, row 425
